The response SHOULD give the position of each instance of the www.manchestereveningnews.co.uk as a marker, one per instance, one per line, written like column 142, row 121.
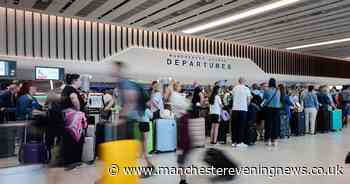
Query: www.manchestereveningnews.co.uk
column 270, row 171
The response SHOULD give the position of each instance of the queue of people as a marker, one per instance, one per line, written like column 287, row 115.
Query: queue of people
column 261, row 111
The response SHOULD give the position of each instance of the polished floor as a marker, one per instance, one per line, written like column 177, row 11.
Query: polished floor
column 323, row 150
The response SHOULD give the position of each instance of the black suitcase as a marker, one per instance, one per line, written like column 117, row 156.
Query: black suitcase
column 298, row 123
column 223, row 130
column 251, row 134
column 217, row 159
column 323, row 122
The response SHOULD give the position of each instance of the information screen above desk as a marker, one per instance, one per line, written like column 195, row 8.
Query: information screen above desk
column 49, row 73
column 7, row 68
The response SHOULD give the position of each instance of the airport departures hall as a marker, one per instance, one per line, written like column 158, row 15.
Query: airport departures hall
column 174, row 91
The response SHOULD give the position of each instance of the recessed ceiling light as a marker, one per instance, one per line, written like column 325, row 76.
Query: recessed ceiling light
column 239, row 16
column 319, row 44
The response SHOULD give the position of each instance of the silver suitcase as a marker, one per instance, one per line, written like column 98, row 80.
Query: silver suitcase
column 197, row 131
column 88, row 150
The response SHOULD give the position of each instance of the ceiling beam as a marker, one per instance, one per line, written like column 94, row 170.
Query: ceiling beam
column 155, row 7
column 76, row 7
column 56, row 6
column 191, row 13
column 104, row 8
column 258, row 23
column 166, row 12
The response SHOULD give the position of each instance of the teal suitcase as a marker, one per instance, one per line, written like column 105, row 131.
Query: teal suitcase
column 336, row 120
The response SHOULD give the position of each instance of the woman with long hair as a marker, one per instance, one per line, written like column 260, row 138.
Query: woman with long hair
column 27, row 104
column 215, row 111
column 272, row 98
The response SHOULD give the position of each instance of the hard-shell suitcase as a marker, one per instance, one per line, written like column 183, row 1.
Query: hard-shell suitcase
column 88, row 154
column 251, row 134
column 298, row 123
column 90, row 131
column 197, row 132
column 323, row 123
column 166, row 135
column 336, row 120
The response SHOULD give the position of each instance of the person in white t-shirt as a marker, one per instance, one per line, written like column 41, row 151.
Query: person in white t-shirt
column 215, row 111
column 241, row 99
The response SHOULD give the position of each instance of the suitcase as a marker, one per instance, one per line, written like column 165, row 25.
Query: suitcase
column 336, row 120
column 33, row 152
column 223, row 130
column 251, row 134
column 284, row 125
column 298, row 123
column 90, row 131
column 217, row 159
column 88, row 154
column 323, row 123
column 197, row 132
column 166, row 135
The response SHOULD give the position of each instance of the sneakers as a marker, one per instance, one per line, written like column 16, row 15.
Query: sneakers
column 274, row 143
column 269, row 143
column 242, row 145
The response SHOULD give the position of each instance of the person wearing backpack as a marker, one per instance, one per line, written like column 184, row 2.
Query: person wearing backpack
column 310, row 104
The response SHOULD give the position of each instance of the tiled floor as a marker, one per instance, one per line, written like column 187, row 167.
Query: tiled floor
column 322, row 150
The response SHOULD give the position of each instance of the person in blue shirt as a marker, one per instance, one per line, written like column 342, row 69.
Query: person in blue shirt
column 27, row 104
column 310, row 104
column 272, row 106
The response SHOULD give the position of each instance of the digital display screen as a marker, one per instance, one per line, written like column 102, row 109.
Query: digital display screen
column 49, row 73
column 2, row 68
column 7, row 68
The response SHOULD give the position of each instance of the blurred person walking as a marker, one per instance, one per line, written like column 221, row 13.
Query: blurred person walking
column 180, row 107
